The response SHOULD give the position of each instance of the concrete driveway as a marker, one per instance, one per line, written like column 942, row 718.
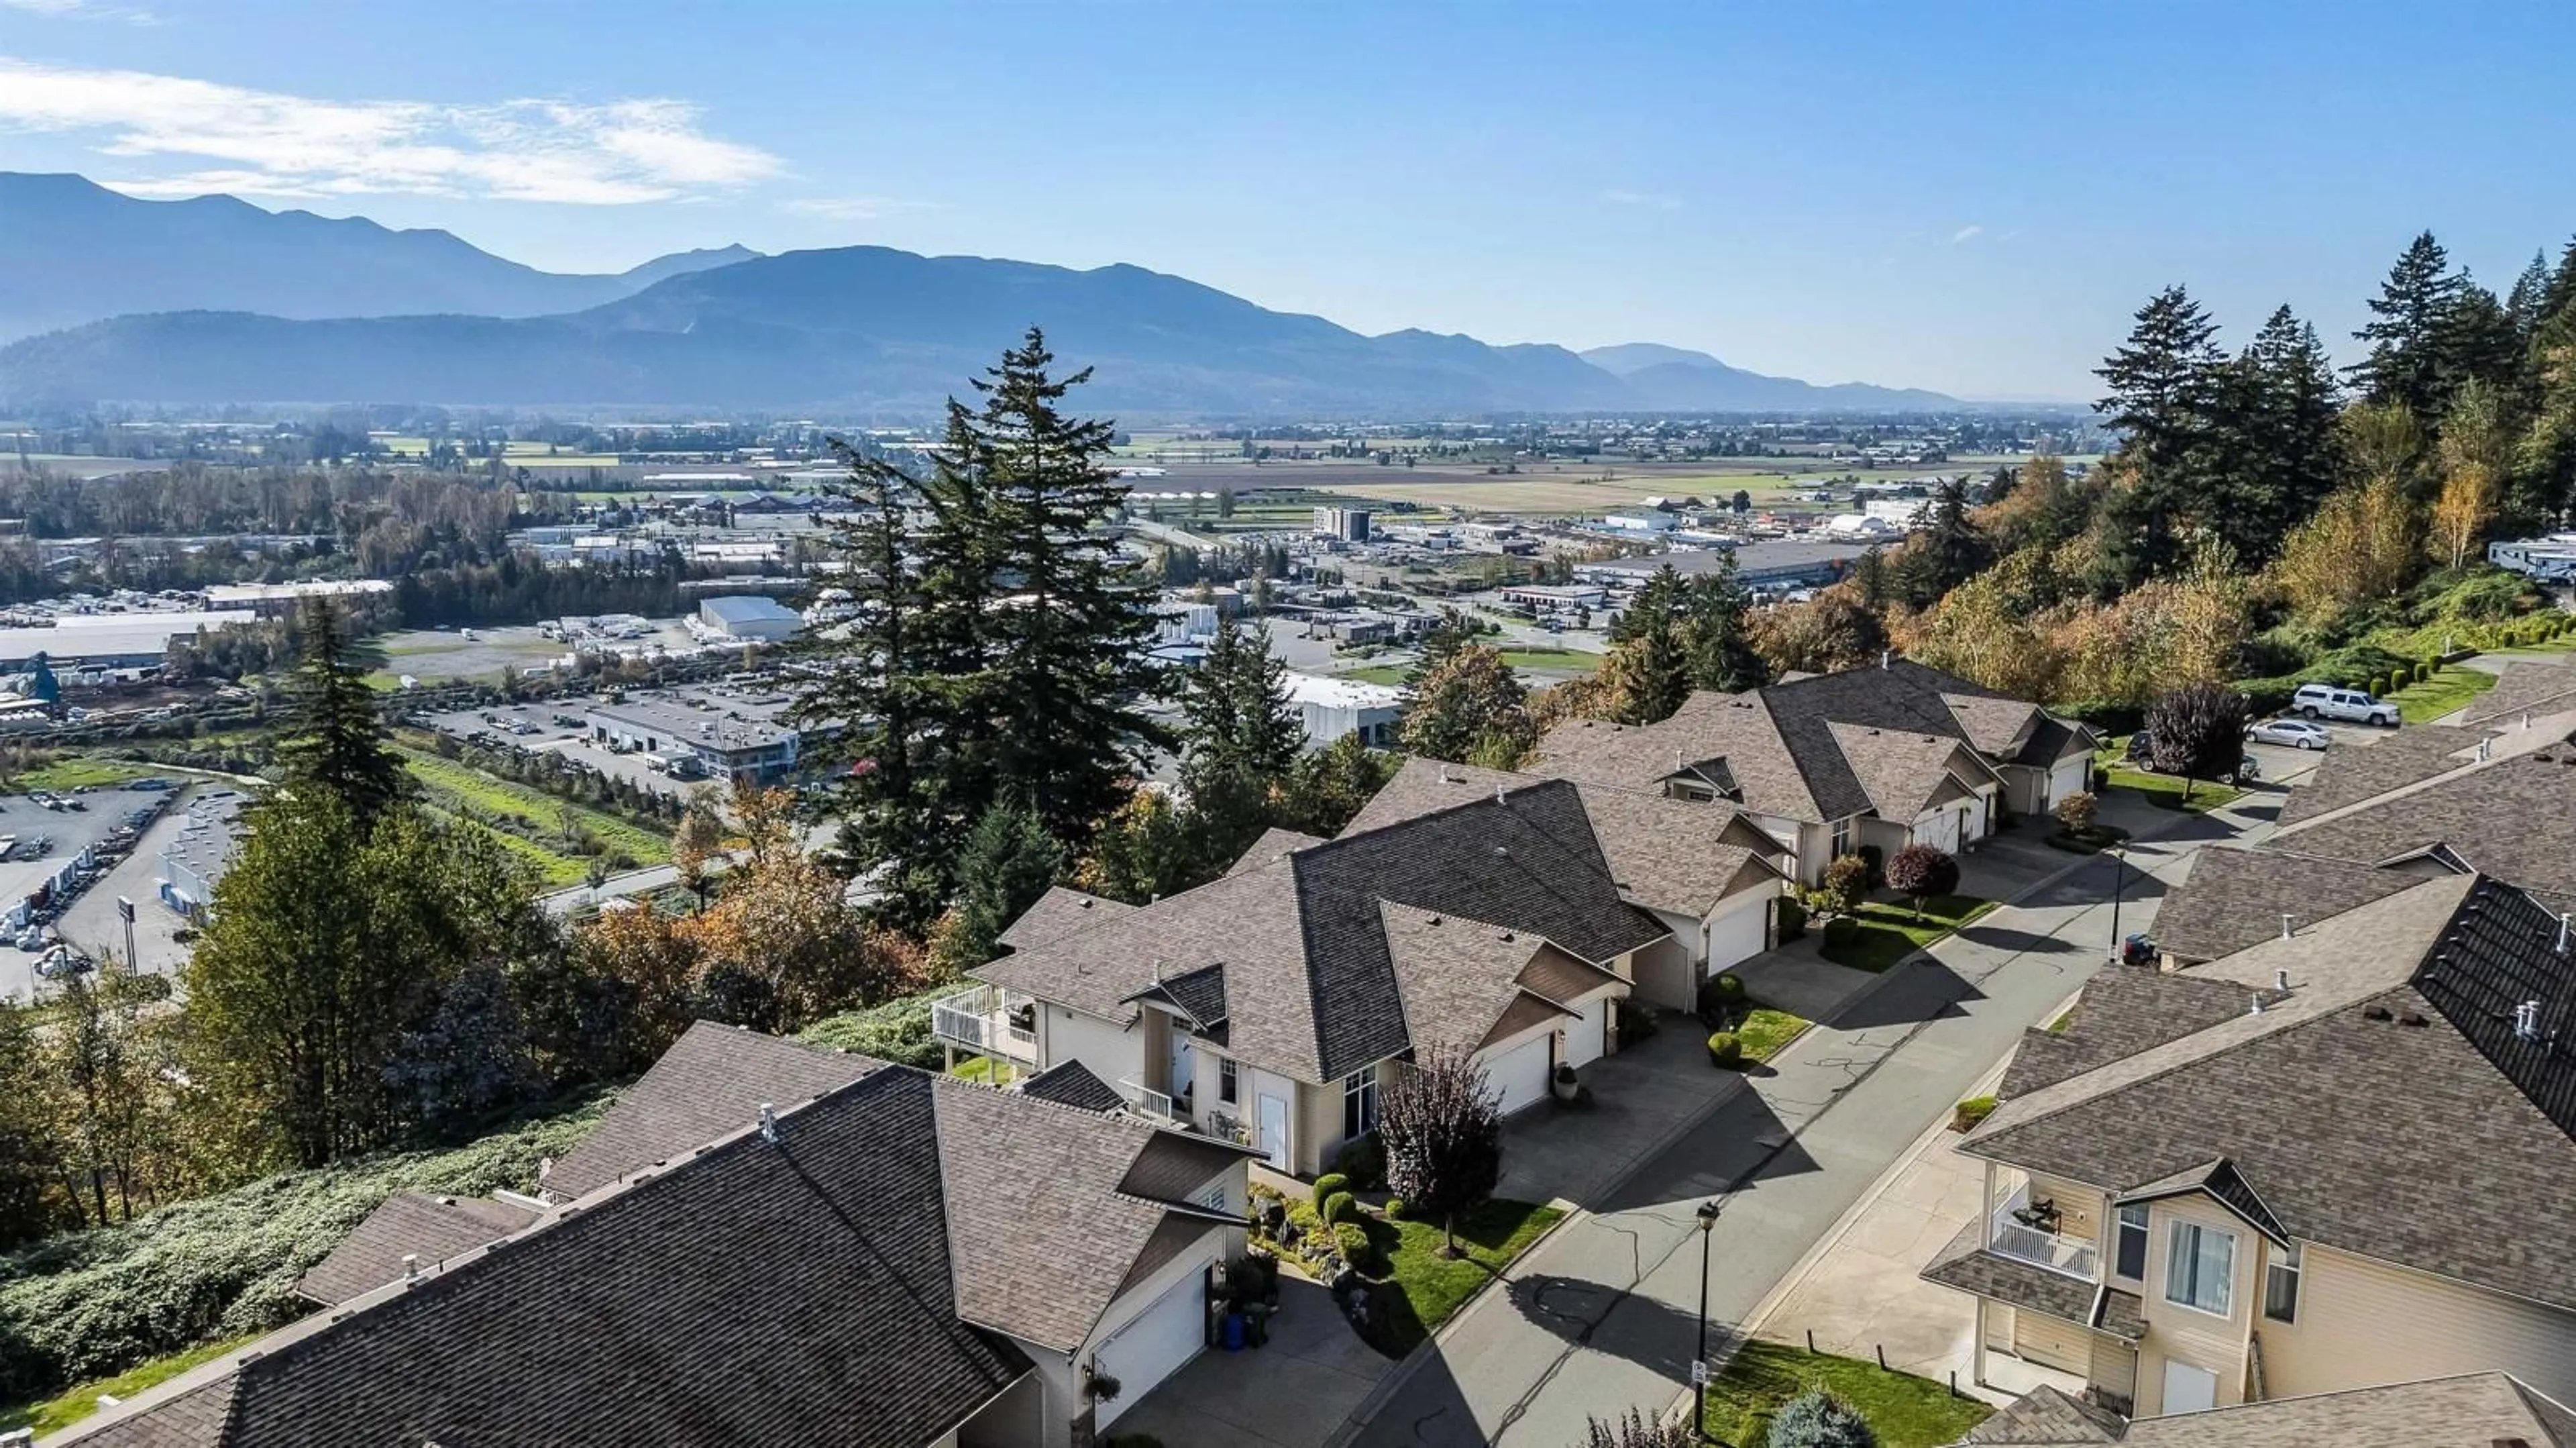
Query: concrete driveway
column 1292, row 1392
column 1642, row 1098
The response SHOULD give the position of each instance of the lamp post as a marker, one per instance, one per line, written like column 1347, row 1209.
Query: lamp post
column 2117, row 863
column 1707, row 1214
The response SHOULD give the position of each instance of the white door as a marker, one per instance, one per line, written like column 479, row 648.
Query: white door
column 1153, row 1345
column 2189, row 1389
column 1736, row 933
column 1941, row 832
column 1587, row 1039
column 1274, row 1132
column 1519, row 1076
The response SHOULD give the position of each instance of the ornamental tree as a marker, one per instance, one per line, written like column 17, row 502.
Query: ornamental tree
column 1443, row 1131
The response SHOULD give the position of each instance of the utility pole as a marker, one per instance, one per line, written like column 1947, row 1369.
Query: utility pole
column 2117, row 864
column 1707, row 1215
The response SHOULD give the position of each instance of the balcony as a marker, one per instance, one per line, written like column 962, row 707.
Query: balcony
column 2020, row 1233
column 1154, row 1104
column 988, row 1022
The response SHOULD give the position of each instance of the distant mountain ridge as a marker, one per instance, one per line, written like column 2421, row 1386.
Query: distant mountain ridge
column 73, row 251
column 356, row 313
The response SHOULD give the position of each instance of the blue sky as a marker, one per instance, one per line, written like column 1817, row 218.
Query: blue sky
column 1951, row 194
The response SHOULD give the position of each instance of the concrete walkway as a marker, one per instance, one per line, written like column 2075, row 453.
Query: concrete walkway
column 1604, row 1314
column 1289, row 1393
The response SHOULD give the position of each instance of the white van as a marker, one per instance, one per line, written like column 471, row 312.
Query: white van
column 2333, row 701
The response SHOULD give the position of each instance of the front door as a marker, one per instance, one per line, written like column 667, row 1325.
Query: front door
column 1274, row 1132
column 2189, row 1389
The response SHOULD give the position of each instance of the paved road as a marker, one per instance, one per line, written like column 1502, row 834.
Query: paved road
column 1603, row 1316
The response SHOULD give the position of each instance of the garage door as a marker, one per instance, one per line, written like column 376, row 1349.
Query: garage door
column 1941, row 832
column 1586, row 1039
column 1154, row 1344
column 1519, row 1075
column 2052, row 1342
column 1736, row 934
column 2068, row 777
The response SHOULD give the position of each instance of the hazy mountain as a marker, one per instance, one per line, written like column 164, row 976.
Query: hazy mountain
column 1677, row 380
column 72, row 251
column 679, row 263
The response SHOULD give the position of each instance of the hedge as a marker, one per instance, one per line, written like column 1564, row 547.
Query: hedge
column 1327, row 1185
column 1725, row 1051
column 898, row 1031
column 1338, row 1208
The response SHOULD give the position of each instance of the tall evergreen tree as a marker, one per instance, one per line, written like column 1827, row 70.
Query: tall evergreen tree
column 1946, row 551
column 1720, row 648
column 2528, row 302
column 1240, row 736
column 1008, row 861
column 2166, row 391
column 2431, row 328
column 2280, row 458
column 338, row 747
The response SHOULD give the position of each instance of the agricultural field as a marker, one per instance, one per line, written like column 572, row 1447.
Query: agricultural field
column 529, row 823
column 434, row 654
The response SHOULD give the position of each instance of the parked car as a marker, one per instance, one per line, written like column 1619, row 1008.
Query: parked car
column 2296, row 733
column 2142, row 743
column 2333, row 701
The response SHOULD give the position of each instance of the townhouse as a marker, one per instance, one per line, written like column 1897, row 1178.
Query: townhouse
column 1503, row 914
column 762, row 1242
column 2322, row 1161
column 1886, row 757
column 2470, row 1410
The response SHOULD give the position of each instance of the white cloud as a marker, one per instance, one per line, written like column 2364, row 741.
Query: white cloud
column 851, row 208
column 266, row 144
column 1966, row 234
column 1660, row 200
column 83, row 10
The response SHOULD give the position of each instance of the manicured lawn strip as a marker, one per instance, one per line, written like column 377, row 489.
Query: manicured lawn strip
column 1429, row 1287
column 55, row 1414
column 1391, row 675
column 71, row 771
column 1879, row 936
column 2161, row 790
column 2447, row 690
column 1554, row 661
column 1906, row 1411
column 444, row 777
column 1765, row 1033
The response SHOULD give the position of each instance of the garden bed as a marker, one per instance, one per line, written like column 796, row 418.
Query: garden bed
column 1413, row 1288
column 1905, row 1411
column 1879, row 935
column 2090, row 840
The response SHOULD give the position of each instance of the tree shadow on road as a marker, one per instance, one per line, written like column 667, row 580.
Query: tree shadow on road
column 1925, row 989
column 1740, row 1145
column 1633, row 1328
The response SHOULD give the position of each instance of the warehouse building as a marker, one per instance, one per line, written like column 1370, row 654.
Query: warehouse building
column 750, row 618
column 737, row 740
column 109, row 640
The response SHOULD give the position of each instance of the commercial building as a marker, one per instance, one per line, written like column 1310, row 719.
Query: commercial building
column 1771, row 563
column 1335, row 707
column 729, row 739
column 750, row 618
column 110, row 641
column 1351, row 525
column 1557, row 597
column 194, row 860
column 273, row 600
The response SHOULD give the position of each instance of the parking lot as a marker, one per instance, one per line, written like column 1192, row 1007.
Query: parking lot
column 43, row 840
column 92, row 925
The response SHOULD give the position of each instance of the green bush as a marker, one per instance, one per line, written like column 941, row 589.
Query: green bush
column 89, row 1304
column 1363, row 1160
column 1338, row 1208
column 1352, row 1240
column 898, row 1031
column 1328, row 1184
column 1725, row 1051
column 1395, row 1209
column 1636, row 1024
column 1721, row 1000
column 1818, row 1419
column 1966, row 1115
column 1793, row 920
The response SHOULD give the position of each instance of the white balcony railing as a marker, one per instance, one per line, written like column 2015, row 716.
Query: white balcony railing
column 1151, row 1102
column 2071, row 1256
column 981, row 1020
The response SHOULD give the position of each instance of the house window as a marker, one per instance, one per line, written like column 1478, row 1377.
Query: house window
column 2200, row 1267
column 1225, row 1082
column 1359, row 1102
column 1842, row 840
column 1213, row 1198
column 2281, row 1285
column 2130, row 1250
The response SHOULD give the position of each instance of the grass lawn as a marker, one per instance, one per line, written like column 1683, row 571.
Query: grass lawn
column 2162, row 790
column 2448, row 689
column 1906, row 1411
column 1881, row 935
column 448, row 782
column 985, row 1069
column 1766, row 1033
column 55, row 1414
column 1391, row 675
column 1552, row 661
column 1429, row 1287
column 71, row 771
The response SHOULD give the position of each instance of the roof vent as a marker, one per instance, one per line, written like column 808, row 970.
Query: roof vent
column 2281, row 979
column 2562, row 933
column 1498, row 791
column 1444, row 774
column 1887, row 658
column 768, row 1123
column 2485, row 747
column 2378, row 1013
column 2526, row 1020
column 545, row 1169
column 2286, row 922
column 411, row 1266
column 2413, row 1018
column 2256, row 1008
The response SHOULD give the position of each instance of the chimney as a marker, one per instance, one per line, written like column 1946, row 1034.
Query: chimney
column 545, row 1169
column 411, row 1266
column 768, row 1123
column 2526, row 1020
column 2281, row 978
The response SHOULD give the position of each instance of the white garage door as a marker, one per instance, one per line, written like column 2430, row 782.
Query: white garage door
column 1154, row 1344
column 1519, row 1075
column 1736, row 934
column 2068, row 777
column 1587, row 1038
column 1941, row 832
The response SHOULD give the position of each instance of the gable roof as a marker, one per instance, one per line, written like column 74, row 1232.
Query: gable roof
column 2346, row 775
column 2122, row 1011
column 1060, row 912
column 711, row 1081
column 2384, row 1106
column 2235, row 896
column 1900, row 772
column 1274, row 844
column 1465, row 984
column 408, row 1224
column 2513, row 818
column 2472, row 1410
column 1071, row 1083
column 2220, row 1181
column 1197, row 996
column 1309, row 982
column 2533, row 686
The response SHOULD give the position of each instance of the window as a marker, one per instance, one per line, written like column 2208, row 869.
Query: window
column 1213, row 1198
column 1359, row 1102
column 2200, row 1267
column 1842, row 840
column 2129, row 1257
column 1226, row 1086
column 2281, row 1285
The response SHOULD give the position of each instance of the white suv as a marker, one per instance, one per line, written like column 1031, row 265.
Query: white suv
column 2333, row 701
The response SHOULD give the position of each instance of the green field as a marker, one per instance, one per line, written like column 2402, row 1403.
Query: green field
column 72, row 771
column 453, row 789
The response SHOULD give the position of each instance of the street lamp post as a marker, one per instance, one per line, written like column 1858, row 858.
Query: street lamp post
column 1699, row 1365
column 2117, row 863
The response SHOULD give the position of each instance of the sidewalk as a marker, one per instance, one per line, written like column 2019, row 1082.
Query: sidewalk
column 1604, row 1314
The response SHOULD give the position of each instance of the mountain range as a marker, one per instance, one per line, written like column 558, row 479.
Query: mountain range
column 213, row 301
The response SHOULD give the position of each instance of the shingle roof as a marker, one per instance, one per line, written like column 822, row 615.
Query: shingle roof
column 2366, row 1115
column 2219, row 1180
column 1458, row 979
column 710, row 1083
column 2236, row 895
column 2535, row 685
column 413, row 1224
column 2513, row 818
column 1058, row 913
column 2473, row 1410
column 2348, row 774
column 2123, row 1010
column 1968, row 1266
column 191, row 1417
column 1423, row 786
column 1199, row 996
column 1900, row 772
column 1271, row 847
column 1071, row 1083
column 1309, row 983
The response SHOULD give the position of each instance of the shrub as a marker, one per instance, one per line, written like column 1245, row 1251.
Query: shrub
column 1338, row 1208
column 1921, row 871
column 1721, row 1000
column 1636, row 1024
column 1352, row 1241
column 1966, row 1115
column 1328, row 1184
column 1818, row 1419
column 2378, row 685
column 2076, row 812
column 1395, row 1209
column 898, row 1031
column 2423, row 670
column 1793, row 919
column 1876, row 859
column 1847, row 882
column 1725, row 1051
column 1363, row 1160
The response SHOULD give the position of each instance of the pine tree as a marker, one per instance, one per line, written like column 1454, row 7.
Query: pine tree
column 2528, row 302
column 1945, row 552
column 338, row 747
column 1240, row 736
column 2409, row 333
column 2281, row 456
column 2162, row 384
column 1650, row 674
column 1721, row 651
column 1008, row 861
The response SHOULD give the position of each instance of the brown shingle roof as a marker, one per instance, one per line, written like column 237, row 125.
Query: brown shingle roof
column 1274, row 844
column 2236, row 895
column 1900, row 772
column 2539, row 686
column 2512, row 818
column 2047, row 1416
column 1071, row 1083
column 2349, row 774
column 192, row 1417
column 709, row 1084
column 1059, row 912
column 413, row 1224
column 2474, row 1410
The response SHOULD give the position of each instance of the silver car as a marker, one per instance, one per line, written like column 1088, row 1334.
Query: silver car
column 2296, row 733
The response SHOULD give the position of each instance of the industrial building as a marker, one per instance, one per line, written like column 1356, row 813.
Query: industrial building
column 274, row 600
column 1351, row 525
column 750, row 618
column 1332, row 708
column 109, row 640
column 194, row 860
column 691, row 738
column 1769, row 564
